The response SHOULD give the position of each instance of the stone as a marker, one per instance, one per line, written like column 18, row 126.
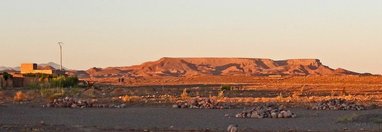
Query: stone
column 123, row 105
column 42, row 123
column 254, row 114
column 239, row 115
column 274, row 115
column 288, row 114
column 284, row 114
column 74, row 106
column 280, row 115
column 233, row 128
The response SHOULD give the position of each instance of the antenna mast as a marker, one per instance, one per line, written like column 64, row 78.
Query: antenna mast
column 60, row 44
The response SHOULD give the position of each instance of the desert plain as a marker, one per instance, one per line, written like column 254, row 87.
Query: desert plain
column 202, row 94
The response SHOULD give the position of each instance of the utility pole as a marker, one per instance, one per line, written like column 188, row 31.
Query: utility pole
column 60, row 44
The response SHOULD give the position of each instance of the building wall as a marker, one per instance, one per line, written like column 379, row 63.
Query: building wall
column 50, row 72
column 28, row 68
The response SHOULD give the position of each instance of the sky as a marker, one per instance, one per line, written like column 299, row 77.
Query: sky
column 103, row 33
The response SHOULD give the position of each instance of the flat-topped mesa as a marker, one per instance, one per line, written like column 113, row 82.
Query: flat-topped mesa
column 209, row 60
column 178, row 67
column 304, row 62
column 245, row 61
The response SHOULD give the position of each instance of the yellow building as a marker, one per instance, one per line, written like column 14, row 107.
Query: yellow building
column 32, row 68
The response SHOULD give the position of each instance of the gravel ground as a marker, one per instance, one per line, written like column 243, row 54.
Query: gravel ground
column 26, row 117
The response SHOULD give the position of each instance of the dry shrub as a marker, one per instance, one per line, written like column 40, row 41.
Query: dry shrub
column 343, row 91
column 32, row 94
column 52, row 93
column 127, row 98
column 298, row 93
column 20, row 96
column 297, row 99
column 185, row 94
column 221, row 94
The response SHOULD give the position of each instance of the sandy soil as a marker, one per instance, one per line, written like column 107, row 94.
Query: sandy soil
column 29, row 118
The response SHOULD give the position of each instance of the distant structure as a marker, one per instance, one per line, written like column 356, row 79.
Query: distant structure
column 32, row 68
column 30, row 73
column 60, row 44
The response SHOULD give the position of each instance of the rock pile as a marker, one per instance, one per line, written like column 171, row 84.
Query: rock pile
column 199, row 103
column 337, row 104
column 267, row 111
column 69, row 102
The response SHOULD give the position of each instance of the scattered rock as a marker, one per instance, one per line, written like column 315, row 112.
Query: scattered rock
column 200, row 103
column 175, row 106
column 42, row 123
column 267, row 111
column 337, row 104
column 69, row 102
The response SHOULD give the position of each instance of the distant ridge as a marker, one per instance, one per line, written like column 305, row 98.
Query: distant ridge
column 179, row 67
column 49, row 65
column 53, row 65
column 4, row 68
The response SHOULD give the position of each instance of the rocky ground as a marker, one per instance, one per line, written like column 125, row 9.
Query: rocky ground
column 150, row 108
column 267, row 111
column 70, row 102
column 200, row 103
column 337, row 104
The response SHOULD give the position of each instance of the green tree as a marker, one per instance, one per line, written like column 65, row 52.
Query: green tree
column 7, row 77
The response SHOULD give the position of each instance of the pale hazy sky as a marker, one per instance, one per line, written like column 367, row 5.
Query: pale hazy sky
column 101, row 33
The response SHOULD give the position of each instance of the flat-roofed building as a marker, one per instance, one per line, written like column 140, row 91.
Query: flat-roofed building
column 32, row 68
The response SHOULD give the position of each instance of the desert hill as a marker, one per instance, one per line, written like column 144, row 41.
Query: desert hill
column 178, row 67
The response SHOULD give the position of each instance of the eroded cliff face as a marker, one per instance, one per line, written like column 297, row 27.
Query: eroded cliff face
column 222, row 66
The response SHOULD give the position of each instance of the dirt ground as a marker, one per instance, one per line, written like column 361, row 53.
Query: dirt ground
column 27, row 117
column 151, row 110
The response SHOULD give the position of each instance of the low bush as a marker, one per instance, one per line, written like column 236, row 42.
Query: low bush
column 65, row 82
column 185, row 94
column 225, row 88
column 52, row 93
column 221, row 94
column 128, row 98
column 20, row 96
